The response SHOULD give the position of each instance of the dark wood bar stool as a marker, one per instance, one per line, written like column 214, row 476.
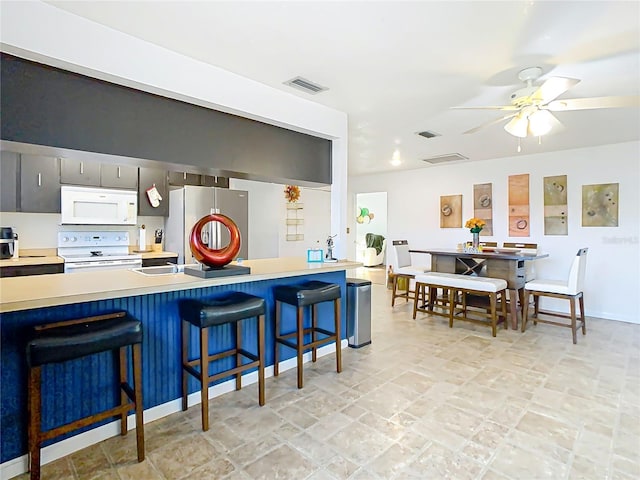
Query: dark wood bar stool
column 72, row 339
column 300, row 296
column 231, row 308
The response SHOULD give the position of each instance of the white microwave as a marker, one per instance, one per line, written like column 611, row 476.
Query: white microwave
column 98, row 206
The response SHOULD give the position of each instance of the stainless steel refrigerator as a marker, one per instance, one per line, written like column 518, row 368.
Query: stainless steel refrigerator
column 189, row 204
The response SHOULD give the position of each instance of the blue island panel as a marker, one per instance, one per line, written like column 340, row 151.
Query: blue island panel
column 87, row 385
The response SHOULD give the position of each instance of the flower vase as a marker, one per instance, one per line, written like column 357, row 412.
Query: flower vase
column 476, row 240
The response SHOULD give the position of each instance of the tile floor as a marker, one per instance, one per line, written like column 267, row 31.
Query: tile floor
column 422, row 402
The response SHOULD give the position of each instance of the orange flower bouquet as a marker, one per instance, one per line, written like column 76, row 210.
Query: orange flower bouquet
column 475, row 224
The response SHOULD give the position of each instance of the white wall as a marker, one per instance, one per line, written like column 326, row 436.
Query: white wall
column 267, row 215
column 612, row 279
column 41, row 32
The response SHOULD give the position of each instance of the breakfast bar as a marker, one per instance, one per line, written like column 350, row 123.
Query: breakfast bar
column 153, row 299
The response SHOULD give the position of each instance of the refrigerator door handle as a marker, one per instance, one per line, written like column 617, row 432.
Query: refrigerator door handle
column 214, row 229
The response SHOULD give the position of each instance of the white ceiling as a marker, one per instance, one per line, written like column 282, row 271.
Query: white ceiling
column 397, row 67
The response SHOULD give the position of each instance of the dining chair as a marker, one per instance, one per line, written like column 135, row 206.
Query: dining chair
column 570, row 289
column 402, row 271
column 488, row 244
column 527, row 248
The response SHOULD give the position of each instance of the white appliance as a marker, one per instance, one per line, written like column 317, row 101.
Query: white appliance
column 89, row 251
column 98, row 206
column 189, row 204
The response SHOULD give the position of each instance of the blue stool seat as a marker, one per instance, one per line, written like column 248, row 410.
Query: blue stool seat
column 230, row 308
column 301, row 296
column 67, row 340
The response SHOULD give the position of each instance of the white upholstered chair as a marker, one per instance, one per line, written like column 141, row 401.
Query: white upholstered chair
column 399, row 263
column 570, row 289
column 371, row 258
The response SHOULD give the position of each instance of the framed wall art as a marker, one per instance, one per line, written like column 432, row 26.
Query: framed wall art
column 555, row 205
column 451, row 211
column 483, row 206
column 519, row 205
column 600, row 205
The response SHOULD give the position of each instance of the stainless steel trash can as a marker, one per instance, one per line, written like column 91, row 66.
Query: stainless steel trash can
column 358, row 312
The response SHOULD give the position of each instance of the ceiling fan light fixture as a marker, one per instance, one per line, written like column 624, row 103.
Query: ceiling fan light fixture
column 540, row 123
column 517, row 126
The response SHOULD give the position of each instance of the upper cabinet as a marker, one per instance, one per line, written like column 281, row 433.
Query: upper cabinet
column 119, row 176
column 9, row 176
column 186, row 178
column 39, row 184
column 150, row 181
column 79, row 172
column 97, row 174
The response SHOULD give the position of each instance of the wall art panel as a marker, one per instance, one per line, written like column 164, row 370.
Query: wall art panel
column 451, row 211
column 483, row 206
column 519, row 205
column 600, row 205
column 555, row 205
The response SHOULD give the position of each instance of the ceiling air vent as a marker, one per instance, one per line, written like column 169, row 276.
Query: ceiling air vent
column 305, row 85
column 428, row 134
column 449, row 157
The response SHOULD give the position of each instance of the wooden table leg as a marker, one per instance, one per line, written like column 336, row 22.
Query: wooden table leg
column 513, row 308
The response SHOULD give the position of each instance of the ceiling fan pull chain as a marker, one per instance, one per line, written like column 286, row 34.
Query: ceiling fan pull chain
column 519, row 146
column 540, row 140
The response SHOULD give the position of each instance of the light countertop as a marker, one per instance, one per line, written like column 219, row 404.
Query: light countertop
column 36, row 256
column 22, row 293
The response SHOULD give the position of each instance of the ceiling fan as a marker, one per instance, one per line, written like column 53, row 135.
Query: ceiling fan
column 531, row 106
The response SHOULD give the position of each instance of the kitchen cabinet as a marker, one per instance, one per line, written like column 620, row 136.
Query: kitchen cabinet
column 211, row 181
column 79, row 172
column 184, row 178
column 39, row 184
column 119, row 176
column 21, row 271
column 147, row 178
column 97, row 174
column 9, row 175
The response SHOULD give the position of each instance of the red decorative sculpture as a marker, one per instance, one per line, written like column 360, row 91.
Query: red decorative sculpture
column 210, row 256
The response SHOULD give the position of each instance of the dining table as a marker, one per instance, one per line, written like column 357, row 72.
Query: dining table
column 505, row 263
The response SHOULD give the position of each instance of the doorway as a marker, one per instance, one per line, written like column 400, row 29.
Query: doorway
column 371, row 217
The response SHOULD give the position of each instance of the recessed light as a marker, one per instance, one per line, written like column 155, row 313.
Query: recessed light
column 395, row 158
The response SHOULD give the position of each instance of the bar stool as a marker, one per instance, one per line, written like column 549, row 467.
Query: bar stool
column 231, row 308
column 68, row 340
column 300, row 296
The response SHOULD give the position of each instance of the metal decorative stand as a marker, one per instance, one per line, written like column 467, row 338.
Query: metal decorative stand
column 330, row 245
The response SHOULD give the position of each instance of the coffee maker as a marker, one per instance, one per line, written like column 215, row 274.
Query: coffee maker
column 7, row 245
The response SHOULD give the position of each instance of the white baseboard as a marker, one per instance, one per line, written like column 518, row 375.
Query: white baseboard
column 20, row 465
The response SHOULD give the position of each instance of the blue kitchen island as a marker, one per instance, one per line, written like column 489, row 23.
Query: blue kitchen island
column 87, row 385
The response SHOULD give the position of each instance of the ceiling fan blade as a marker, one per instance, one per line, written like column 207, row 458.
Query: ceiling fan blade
column 506, row 108
column 489, row 123
column 553, row 88
column 593, row 102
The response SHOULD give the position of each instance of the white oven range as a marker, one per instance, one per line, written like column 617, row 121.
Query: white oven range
column 91, row 251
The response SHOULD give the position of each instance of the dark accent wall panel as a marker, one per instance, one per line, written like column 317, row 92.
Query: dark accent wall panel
column 44, row 105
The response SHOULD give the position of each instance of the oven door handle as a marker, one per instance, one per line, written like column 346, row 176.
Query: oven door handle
column 116, row 263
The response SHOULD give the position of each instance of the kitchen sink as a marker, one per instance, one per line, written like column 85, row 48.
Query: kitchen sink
column 160, row 270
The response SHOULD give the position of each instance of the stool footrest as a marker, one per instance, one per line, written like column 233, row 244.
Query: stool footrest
column 196, row 373
column 83, row 422
column 306, row 346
